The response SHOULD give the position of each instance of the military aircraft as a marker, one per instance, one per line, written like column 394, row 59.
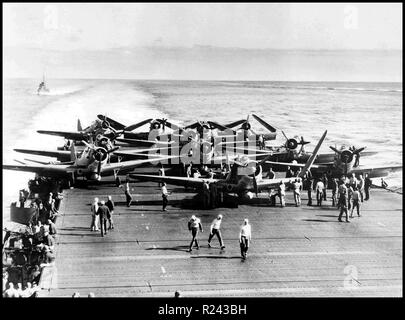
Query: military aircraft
column 243, row 179
column 346, row 161
column 92, row 164
column 100, row 129
column 247, row 131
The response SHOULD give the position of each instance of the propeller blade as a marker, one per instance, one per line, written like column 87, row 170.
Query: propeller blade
column 264, row 123
column 193, row 126
column 173, row 126
column 334, row 149
column 87, row 145
column 235, row 123
column 113, row 149
column 357, row 151
column 219, row 126
column 285, row 136
column 137, row 125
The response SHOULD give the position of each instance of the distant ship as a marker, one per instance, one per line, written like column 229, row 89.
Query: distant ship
column 42, row 86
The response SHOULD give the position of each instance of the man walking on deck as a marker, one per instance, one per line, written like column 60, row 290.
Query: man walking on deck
column 309, row 185
column 356, row 202
column 335, row 187
column 127, row 192
column 94, row 216
column 245, row 237
column 281, row 193
column 104, row 214
column 325, row 185
column 165, row 195
column 361, row 187
column 193, row 225
column 319, row 192
column 110, row 205
column 343, row 203
column 297, row 192
column 367, row 186
column 215, row 230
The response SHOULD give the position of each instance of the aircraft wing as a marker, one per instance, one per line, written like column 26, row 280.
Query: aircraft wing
column 301, row 165
column 376, row 172
column 177, row 181
column 135, row 142
column 125, row 166
column 329, row 157
column 47, row 170
column 61, row 155
column 76, row 136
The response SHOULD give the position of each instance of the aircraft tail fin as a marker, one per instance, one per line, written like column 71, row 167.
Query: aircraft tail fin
column 72, row 152
column 313, row 156
column 79, row 125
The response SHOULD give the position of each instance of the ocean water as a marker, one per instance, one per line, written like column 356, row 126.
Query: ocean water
column 360, row 114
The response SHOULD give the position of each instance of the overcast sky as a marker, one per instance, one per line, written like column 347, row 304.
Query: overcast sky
column 277, row 26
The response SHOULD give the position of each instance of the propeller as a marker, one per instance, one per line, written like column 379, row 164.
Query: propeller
column 264, row 123
column 292, row 143
column 235, row 123
column 216, row 125
column 347, row 155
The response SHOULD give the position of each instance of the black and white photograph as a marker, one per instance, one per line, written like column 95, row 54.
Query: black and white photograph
column 202, row 150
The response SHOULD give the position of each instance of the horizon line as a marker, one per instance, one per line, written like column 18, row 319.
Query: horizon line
column 201, row 80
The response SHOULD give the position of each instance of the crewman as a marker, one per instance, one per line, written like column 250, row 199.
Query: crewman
column 353, row 181
column 104, row 214
column 245, row 238
column 52, row 228
column 196, row 174
column 165, row 194
column 309, row 185
column 319, row 192
column 350, row 190
column 110, row 205
column 289, row 173
column 215, row 230
column 281, row 193
column 343, row 203
column 210, row 174
column 335, row 187
column 270, row 174
column 94, row 215
column 367, row 185
column 361, row 187
column 11, row 292
column 22, row 198
column 325, row 184
column 188, row 170
column 297, row 192
column 193, row 225
column 128, row 195
column 161, row 172
column 356, row 202
column 261, row 142
column 383, row 183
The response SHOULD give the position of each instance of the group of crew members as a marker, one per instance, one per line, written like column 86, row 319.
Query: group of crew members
column 31, row 251
column 245, row 234
column 101, row 213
